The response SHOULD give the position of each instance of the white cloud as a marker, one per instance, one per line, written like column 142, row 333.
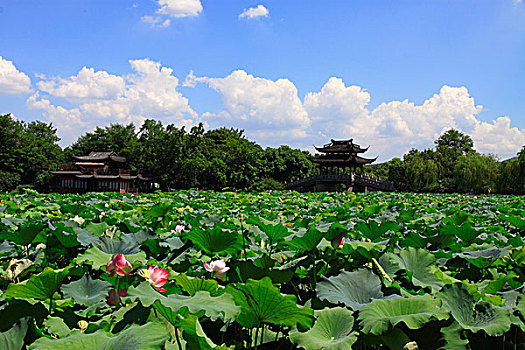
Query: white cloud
column 273, row 114
column 337, row 111
column 86, row 85
column 261, row 106
column 180, row 8
column 499, row 137
column 156, row 21
column 12, row 81
column 100, row 98
column 255, row 12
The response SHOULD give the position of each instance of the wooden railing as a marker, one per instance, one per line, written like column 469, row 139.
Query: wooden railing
column 362, row 180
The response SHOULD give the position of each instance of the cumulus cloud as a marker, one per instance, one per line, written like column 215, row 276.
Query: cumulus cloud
column 272, row 113
column 100, row 98
column 86, row 85
column 180, row 8
column 12, row 81
column 255, row 12
column 498, row 137
column 261, row 106
column 172, row 9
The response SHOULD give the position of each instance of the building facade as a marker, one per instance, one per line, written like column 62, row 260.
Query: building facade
column 100, row 172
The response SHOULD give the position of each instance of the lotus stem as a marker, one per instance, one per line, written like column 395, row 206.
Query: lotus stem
column 177, row 338
column 116, row 296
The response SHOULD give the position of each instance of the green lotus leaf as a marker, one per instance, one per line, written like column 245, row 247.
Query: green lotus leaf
column 57, row 326
column 515, row 221
column 275, row 233
column 13, row 339
column 309, row 241
column 222, row 306
column 40, row 287
column 367, row 249
column 214, row 307
column 112, row 246
column 15, row 309
column 215, row 240
column 150, row 336
column 372, row 230
column 420, row 262
column 25, row 233
column 192, row 285
column 354, row 289
column 521, row 305
column 451, row 335
column 241, row 270
column 97, row 228
column 158, row 210
column 378, row 316
column 465, row 232
column 483, row 315
column 172, row 243
column 332, row 330
column 261, row 302
column 98, row 258
column 86, row 291
column 73, row 208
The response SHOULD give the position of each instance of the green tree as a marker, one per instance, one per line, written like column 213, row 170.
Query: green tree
column 41, row 154
column 421, row 171
column 118, row 138
column 285, row 164
column 11, row 151
column 31, row 152
column 160, row 153
column 233, row 161
column 476, row 173
column 510, row 180
column 449, row 147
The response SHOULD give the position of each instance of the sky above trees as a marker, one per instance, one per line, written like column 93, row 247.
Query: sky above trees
column 394, row 75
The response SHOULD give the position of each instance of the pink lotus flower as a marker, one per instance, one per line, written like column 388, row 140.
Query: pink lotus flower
column 216, row 268
column 158, row 277
column 114, row 298
column 117, row 265
column 178, row 229
column 338, row 242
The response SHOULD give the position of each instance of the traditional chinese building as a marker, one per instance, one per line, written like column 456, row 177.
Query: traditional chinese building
column 341, row 157
column 100, row 172
column 340, row 167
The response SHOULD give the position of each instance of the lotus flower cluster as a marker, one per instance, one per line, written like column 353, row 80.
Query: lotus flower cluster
column 117, row 265
column 157, row 277
column 216, row 267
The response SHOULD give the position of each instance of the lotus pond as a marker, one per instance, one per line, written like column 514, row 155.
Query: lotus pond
column 280, row 270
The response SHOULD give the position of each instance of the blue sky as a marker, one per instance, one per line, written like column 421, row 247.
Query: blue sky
column 393, row 74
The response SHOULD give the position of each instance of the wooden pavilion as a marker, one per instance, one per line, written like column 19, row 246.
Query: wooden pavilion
column 341, row 157
column 100, row 172
column 340, row 167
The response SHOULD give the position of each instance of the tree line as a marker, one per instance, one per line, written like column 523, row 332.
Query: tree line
column 454, row 166
column 225, row 159
column 175, row 157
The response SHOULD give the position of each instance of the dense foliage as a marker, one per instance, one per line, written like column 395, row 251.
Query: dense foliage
column 454, row 166
column 225, row 159
column 27, row 152
column 201, row 270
